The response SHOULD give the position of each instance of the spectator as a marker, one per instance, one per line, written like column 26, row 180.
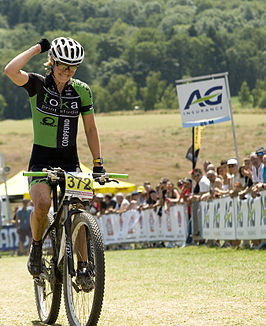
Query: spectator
column 205, row 165
column 121, row 203
column 202, row 181
column 241, row 172
column 211, row 175
column 235, row 184
column 142, row 195
column 1, row 222
column 162, row 194
column 98, row 200
column 153, row 201
column 260, row 152
column 256, row 168
column 210, row 167
column 264, row 168
column 147, row 186
column 22, row 219
column 110, row 202
column 103, row 209
column 128, row 197
column 247, row 172
column 184, row 197
column 222, row 171
column 134, row 203
column 172, row 195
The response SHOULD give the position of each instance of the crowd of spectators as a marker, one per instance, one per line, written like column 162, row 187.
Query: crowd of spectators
column 212, row 181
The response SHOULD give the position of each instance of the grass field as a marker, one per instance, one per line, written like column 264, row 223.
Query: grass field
column 147, row 146
column 190, row 286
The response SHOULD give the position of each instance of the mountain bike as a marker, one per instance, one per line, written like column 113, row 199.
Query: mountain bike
column 71, row 239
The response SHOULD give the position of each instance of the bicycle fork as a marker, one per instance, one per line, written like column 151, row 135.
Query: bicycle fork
column 66, row 239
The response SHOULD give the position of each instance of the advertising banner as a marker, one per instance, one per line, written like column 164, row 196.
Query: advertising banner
column 146, row 225
column 204, row 102
column 262, row 221
column 229, row 219
column 9, row 239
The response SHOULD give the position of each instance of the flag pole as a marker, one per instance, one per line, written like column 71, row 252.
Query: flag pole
column 193, row 149
column 231, row 114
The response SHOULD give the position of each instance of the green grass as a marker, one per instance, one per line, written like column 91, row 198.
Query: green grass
column 190, row 286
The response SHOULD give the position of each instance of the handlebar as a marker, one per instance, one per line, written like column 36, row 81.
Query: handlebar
column 59, row 173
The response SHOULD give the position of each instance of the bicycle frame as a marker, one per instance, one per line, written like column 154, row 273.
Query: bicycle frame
column 61, row 209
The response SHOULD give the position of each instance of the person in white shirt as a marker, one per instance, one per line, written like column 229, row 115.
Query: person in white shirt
column 202, row 181
column 121, row 202
column 257, row 167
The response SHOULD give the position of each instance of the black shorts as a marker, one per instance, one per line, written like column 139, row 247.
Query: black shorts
column 45, row 157
column 38, row 168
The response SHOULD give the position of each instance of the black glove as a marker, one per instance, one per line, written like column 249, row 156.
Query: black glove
column 98, row 169
column 45, row 44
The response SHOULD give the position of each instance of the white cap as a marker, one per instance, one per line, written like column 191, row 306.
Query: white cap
column 232, row 161
column 119, row 194
column 99, row 195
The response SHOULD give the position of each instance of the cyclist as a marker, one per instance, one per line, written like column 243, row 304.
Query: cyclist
column 56, row 102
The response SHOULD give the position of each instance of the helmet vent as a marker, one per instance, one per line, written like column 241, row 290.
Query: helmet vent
column 66, row 51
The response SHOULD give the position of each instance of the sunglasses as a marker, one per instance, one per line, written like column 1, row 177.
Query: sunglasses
column 260, row 153
column 231, row 165
column 63, row 67
column 196, row 175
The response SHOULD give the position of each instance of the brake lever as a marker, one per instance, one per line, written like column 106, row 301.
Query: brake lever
column 100, row 180
column 110, row 180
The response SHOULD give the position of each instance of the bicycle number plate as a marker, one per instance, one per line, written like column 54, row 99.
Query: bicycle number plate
column 79, row 185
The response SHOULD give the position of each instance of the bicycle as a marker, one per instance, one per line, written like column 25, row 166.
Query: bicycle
column 72, row 235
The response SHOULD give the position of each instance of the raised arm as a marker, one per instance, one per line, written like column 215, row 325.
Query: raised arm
column 14, row 68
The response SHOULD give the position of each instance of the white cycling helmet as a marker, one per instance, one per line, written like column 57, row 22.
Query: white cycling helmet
column 67, row 50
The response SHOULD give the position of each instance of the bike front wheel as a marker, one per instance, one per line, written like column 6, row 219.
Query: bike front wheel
column 83, row 302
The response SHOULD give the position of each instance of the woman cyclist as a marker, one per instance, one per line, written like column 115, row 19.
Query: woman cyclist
column 56, row 101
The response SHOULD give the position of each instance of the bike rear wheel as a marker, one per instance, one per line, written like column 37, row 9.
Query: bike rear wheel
column 84, row 307
column 47, row 287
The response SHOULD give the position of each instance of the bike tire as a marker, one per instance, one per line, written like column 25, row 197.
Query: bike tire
column 48, row 293
column 84, row 308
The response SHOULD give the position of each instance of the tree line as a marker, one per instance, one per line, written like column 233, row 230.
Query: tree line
column 136, row 49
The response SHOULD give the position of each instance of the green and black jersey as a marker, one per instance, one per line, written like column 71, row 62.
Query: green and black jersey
column 55, row 119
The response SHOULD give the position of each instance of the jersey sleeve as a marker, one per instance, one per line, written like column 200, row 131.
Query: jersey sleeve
column 33, row 84
column 85, row 95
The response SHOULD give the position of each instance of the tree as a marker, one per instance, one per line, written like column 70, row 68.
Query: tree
column 101, row 98
column 109, row 46
column 151, row 94
column 169, row 99
column 123, row 90
column 262, row 103
column 3, row 105
column 244, row 94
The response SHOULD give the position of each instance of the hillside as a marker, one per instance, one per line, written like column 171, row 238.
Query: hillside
column 147, row 146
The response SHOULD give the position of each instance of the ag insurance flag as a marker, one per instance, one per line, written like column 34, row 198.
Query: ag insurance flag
column 203, row 103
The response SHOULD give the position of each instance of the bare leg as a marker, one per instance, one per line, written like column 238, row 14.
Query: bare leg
column 41, row 197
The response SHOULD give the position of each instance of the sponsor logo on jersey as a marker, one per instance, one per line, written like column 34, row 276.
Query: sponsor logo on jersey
column 48, row 121
column 66, row 128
